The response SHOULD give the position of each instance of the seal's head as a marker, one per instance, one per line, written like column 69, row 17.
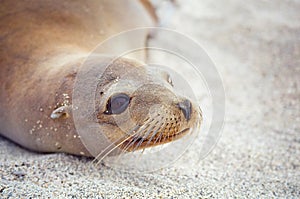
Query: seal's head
column 138, row 106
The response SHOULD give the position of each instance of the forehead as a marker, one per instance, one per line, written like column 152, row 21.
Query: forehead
column 130, row 73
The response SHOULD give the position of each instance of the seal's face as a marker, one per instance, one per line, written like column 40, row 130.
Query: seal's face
column 139, row 108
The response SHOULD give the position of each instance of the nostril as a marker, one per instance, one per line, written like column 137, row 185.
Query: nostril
column 186, row 108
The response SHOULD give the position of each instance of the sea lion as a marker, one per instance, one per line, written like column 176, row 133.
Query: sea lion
column 43, row 45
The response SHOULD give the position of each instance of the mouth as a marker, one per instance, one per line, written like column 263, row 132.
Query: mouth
column 137, row 143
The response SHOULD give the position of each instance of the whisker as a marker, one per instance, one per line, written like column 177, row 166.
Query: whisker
column 155, row 128
column 146, row 135
column 146, row 122
column 138, row 144
column 165, row 138
column 133, row 142
column 151, row 128
column 155, row 132
column 103, row 151
column 159, row 137
column 140, row 131
column 172, row 137
column 116, row 146
column 95, row 159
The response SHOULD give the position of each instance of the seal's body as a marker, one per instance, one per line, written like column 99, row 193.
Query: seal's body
column 42, row 45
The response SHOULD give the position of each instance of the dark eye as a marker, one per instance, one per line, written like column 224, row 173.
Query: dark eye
column 117, row 104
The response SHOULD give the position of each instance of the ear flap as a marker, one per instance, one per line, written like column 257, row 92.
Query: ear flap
column 63, row 111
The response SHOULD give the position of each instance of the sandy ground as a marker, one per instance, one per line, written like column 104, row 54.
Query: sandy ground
column 256, row 48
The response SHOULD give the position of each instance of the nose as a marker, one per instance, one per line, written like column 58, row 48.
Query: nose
column 186, row 108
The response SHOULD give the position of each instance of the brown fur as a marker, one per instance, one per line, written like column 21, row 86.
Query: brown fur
column 37, row 43
column 42, row 46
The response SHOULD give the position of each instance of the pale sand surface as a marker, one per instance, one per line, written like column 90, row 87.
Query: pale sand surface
column 256, row 48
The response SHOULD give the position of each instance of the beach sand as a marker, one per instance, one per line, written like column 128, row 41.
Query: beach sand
column 256, row 48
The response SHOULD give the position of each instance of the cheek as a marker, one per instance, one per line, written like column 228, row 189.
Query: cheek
column 138, row 112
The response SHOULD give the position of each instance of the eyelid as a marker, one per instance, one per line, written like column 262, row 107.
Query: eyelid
column 120, row 109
